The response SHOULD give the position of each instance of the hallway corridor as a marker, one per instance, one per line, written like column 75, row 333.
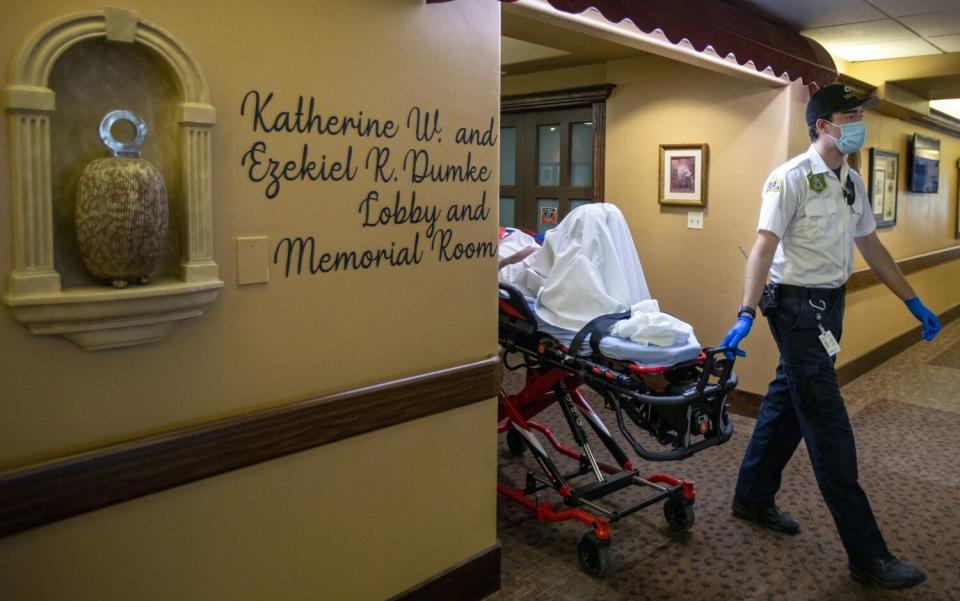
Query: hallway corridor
column 906, row 416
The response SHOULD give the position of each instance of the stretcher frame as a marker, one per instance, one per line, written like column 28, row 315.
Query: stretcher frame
column 554, row 376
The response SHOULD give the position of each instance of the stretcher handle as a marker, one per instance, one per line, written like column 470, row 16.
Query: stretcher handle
column 515, row 300
column 678, row 454
column 712, row 363
column 675, row 400
column 600, row 377
column 673, row 454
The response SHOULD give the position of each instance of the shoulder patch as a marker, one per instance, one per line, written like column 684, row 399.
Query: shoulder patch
column 818, row 183
column 774, row 184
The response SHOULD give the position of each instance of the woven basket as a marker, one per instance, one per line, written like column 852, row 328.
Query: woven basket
column 121, row 218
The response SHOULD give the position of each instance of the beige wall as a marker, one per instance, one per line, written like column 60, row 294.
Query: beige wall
column 925, row 222
column 751, row 127
column 696, row 274
column 557, row 79
column 360, row 519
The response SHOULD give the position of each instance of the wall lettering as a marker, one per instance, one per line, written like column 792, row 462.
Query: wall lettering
column 407, row 195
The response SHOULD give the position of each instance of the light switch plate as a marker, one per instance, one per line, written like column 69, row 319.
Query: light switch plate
column 695, row 220
column 253, row 264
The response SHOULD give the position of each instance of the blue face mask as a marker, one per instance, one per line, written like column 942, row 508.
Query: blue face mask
column 851, row 137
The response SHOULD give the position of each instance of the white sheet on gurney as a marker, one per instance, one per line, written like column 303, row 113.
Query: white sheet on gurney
column 588, row 266
column 627, row 350
column 513, row 241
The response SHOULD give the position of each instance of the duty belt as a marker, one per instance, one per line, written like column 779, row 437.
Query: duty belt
column 804, row 293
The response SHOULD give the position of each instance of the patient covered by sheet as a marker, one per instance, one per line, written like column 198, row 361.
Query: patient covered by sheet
column 588, row 266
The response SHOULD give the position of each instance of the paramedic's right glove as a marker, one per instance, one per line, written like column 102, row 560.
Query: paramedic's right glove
column 929, row 321
column 737, row 333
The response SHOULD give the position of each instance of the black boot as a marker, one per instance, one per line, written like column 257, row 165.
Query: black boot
column 771, row 517
column 889, row 573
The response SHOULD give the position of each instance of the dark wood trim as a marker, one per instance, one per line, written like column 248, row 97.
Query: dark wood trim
column 866, row 277
column 472, row 580
column 58, row 489
column 934, row 121
column 527, row 188
column 744, row 403
column 517, row 110
column 556, row 99
column 599, row 148
column 747, row 403
column 861, row 365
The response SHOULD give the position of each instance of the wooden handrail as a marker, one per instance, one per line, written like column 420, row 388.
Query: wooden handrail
column 39, row 494
column 864, row 278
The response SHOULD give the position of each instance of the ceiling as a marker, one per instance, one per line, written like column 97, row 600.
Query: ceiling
column 863, row 31
column 912, row 44
column 528, row 45
column 859, row 30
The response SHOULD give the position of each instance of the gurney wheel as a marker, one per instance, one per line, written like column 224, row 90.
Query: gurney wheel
column 594, row 555
column 679, row 514
column 515, row 443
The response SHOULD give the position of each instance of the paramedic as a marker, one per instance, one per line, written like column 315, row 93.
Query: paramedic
column 814, row 209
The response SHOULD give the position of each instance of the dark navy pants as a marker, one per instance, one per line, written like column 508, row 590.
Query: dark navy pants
column 804, row 401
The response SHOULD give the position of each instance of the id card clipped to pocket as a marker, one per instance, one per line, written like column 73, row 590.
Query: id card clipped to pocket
column 827, row 338
column 829, row 343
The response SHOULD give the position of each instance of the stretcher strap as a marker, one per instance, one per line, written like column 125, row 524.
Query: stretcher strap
column 597, row 329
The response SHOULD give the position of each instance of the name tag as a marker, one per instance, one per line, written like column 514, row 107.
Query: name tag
column 829, row 343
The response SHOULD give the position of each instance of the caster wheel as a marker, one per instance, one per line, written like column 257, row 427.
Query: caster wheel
column 679, row 514
column 594, row 555
column 516, row 443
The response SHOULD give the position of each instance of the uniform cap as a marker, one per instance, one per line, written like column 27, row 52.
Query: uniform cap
column 836, row 98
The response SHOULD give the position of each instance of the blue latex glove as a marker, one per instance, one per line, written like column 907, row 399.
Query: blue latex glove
column 929, row 321
column 737, row 333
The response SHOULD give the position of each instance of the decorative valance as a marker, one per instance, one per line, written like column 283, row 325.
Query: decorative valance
column 727, row 29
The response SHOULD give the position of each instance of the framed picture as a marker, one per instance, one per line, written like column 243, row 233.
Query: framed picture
column 883, row 185
column 683, row 174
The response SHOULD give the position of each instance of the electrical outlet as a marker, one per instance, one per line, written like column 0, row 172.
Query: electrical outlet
column 695, row 220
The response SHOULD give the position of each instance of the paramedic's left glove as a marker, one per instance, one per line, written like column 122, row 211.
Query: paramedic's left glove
column 737, row 333
column 929, row 321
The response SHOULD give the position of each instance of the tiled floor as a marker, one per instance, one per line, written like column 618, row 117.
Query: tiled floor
column 906, row 416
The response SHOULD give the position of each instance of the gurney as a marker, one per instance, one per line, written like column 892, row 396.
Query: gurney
column 673, row 394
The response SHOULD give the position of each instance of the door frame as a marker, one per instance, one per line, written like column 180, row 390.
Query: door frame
column 592, row 96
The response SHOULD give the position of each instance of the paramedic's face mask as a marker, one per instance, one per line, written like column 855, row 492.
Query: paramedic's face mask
column 852, row 133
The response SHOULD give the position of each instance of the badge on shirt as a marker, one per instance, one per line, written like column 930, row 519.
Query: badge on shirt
column 818, row 183
column 774, row 184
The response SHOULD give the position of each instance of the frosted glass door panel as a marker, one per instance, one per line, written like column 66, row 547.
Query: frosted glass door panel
column 581, row 154
column 508, row 211
column 548, row 155
column 508, row 156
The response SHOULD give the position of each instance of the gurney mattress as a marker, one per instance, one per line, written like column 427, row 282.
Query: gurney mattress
column 626, row 350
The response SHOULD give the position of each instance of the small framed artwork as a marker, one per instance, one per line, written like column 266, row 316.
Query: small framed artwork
column 683, row 174
column 883, row 185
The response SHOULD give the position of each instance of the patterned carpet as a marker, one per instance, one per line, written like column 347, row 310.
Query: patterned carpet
column 906, row 417
column 948, row 358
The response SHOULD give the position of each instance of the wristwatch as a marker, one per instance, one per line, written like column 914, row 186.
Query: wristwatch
column 748, row 310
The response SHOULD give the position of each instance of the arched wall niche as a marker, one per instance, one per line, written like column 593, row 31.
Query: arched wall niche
column 93, row 316
column 90, row 79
